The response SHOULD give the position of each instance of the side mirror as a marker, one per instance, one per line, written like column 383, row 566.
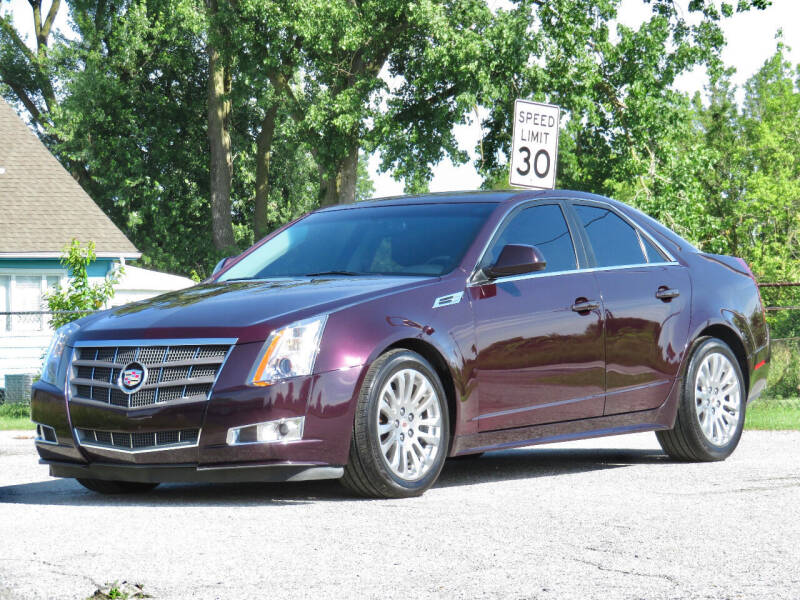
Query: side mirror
column 516, row 259
column 221, row 265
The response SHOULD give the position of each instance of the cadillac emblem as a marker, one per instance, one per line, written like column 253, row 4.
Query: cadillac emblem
column 132, row 377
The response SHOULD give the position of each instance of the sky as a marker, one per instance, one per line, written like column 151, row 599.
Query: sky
column 750, row 36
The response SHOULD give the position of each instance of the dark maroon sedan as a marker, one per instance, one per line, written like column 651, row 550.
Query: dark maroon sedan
column 370, row 342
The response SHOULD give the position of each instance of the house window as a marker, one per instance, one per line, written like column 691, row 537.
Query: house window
column 25, row 293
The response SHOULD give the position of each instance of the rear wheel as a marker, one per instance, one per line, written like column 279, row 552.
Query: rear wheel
column 711, row 412
column 103, row 486
column 401, row 429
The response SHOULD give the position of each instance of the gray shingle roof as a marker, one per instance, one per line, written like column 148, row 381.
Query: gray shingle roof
column 41, row 206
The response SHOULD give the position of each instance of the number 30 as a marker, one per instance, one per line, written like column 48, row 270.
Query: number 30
column 527, row 161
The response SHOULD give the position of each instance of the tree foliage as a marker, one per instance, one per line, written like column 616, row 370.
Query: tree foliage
column 200, row 126
column 79, row 297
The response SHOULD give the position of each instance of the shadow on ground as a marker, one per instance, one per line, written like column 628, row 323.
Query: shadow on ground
column 526, row 463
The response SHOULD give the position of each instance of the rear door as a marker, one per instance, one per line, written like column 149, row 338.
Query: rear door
column 539, row 360
column 646, row 298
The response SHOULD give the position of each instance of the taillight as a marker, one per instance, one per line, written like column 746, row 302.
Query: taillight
column 743, row 262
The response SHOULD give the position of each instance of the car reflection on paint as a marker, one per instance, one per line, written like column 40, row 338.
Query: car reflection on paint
column 370, row 342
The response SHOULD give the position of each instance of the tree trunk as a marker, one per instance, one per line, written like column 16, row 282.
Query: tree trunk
column 263, row 154
column 328, row 189
column 219, row 138
column 348, row 173
column 341, row 188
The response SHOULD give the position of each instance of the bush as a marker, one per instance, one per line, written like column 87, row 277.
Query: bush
column 784, row 371
column 79, row 297
column 15, row 411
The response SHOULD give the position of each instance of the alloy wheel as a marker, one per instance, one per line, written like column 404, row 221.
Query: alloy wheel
column 717, row 398
column 409, row 424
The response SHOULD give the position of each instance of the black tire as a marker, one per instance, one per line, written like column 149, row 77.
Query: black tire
column 103, row 486
column 367, row 473
column 686, row 440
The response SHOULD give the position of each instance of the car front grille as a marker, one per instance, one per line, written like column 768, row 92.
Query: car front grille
column 179, row 371
column 154, row 440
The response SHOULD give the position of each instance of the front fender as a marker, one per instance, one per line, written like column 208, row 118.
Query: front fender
column 357, row 335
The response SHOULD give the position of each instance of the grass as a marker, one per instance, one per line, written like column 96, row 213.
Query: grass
column 119, row 591
column 15, row 416
column 774, row 414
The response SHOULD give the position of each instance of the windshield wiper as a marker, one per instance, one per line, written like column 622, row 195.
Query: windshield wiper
column 348, row 273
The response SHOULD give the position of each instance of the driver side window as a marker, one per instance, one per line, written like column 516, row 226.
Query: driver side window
column 542, row 226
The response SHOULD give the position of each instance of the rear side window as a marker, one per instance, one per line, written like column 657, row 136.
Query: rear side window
column 614, row 242
column 542, row 226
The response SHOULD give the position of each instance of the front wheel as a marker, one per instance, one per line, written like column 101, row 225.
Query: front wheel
column 401, row 429
column 711, row 411
column 103, row 486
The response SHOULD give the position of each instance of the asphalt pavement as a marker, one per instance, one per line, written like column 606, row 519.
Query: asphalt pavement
column 608, row 518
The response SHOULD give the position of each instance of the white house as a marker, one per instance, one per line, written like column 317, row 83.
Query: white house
column 42, row 208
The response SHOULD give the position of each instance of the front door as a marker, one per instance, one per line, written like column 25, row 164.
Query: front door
column 539, row 337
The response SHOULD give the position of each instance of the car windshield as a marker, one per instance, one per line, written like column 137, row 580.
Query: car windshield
column 422, row 239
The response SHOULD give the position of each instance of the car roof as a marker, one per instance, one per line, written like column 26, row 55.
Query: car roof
column 511, row 197
column 462, row 197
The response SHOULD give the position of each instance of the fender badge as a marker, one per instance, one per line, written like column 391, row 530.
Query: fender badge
column 448, row 300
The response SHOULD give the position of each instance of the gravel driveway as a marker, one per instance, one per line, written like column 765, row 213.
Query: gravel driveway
column 609, row 518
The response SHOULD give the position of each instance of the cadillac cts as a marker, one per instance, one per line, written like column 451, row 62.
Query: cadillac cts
column 370, row 342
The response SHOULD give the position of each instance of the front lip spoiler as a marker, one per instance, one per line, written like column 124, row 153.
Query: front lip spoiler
column 192, row 473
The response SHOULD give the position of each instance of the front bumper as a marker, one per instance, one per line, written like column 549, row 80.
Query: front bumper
column 194, row 473
column 326, row 400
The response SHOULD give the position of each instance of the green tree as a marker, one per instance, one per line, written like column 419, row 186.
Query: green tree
column 771, row 150
column 79, row 297
column 365, row 188
column 771, row 153
column 201, row 126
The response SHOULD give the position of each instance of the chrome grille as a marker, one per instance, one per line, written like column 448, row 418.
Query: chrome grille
column 152, row 440
column 179, row 371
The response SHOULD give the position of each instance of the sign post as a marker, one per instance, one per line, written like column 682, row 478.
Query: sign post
column 534, row 148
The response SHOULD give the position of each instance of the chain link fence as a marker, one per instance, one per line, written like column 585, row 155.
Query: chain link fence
column 782, row 300
column 34, row 321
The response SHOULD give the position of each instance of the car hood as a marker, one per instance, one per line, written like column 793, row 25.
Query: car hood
column 245, row 310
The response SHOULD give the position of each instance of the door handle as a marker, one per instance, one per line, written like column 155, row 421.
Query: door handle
column 666, row 294
column 582, row 305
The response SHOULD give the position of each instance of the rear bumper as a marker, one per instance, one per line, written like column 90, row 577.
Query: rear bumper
column 759, row 372
column 194, row 473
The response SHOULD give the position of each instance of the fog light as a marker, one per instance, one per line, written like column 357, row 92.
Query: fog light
column 45, row 434
column 281, row 430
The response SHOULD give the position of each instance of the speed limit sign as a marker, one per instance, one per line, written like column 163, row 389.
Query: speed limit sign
column 534, row 149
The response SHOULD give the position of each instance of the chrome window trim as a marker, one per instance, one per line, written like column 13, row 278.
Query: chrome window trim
column 640, row 238
column 471, row 282
column 97, row 446
column 570, row 272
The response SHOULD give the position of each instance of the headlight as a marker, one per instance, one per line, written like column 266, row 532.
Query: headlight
column 289, row 352
column 55, row 352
